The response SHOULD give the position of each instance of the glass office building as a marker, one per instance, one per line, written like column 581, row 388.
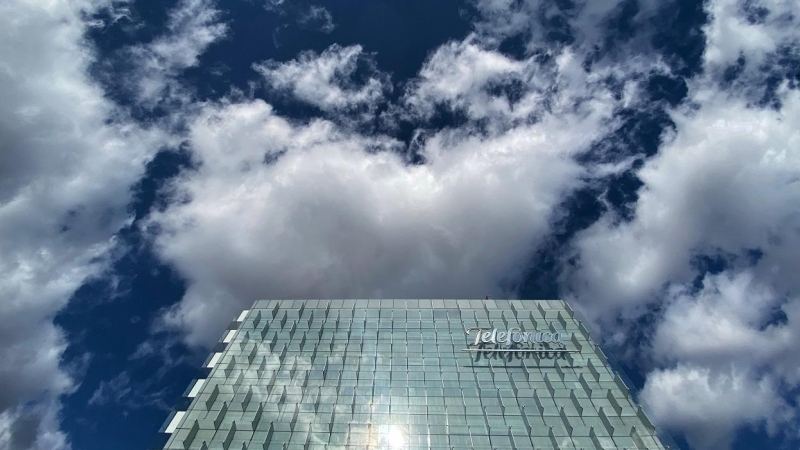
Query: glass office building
column 409, row 374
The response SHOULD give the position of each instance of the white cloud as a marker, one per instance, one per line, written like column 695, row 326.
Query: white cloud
column 334, row 217
column 32, row 427
column 469, row 77
column 731, row 319
column 326, row 80
column 317, row 17
column 193, row 25
column 458, row 73
column 123, row 394
column 69, row 160
column 731, row 33
column 723, row 185
column 710, row 406
column 112, row 391
column 586, row 22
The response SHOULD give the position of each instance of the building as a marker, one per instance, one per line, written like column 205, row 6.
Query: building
column 409, row 374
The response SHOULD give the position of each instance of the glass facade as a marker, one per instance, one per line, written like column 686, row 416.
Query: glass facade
column 409, row 374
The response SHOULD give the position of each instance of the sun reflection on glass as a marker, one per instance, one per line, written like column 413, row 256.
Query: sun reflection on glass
column 392, row 437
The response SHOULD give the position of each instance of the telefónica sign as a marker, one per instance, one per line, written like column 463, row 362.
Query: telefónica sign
column 513, row 340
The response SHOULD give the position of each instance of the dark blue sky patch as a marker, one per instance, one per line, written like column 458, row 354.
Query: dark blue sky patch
column 679, row 35
column 113, row 67
column 622, row 194
column 641, row 132
column 753, row 256
column 639, row 136
column 750, row 437
column 712, row 263
column 400, row 34
column 273, row 157
column 665, row 88
column 110, row 323
column 147, row 20
column 557, row 30
column 514, row 46
column 579, row 211
column 149, row 194
column 412, row 131
column 733, row 71
column 111, row 317
column 782, row 67
column 511, row 89
column 754, row 12
column 777, row 318
column 621, row 26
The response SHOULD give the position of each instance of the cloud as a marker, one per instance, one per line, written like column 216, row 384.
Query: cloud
column 33, row 427
column 711, row 406
column 317, row 17
column 70, row 157
column 731, row 318
column 722, row 185
column 279, row 210
column 458, row 75
column 582, row 24
column 123, row 393
column 329, row 80
column 752, row 30
column 284, row 209
column 192, row 26
column 708, row 257
column 112, row 391
column 485, row 85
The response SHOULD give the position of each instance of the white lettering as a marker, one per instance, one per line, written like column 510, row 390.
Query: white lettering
column 501, row 337
column 514, row 336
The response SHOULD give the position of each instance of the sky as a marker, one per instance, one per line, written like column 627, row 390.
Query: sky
column 163, row 164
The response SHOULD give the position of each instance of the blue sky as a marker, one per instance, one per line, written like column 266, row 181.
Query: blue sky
column 164, row 164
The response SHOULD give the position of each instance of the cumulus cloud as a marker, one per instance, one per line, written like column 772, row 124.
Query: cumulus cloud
column 723, row 185
column 485, row 85
column 709, row 406
column 330, row 80
column 69, row 158
column 732, row 318
column 279, row 210
column 724, row 189
column 458, row 75
column 32, row 427
column 753, row 30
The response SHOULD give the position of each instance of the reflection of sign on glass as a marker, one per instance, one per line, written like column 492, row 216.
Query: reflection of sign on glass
column 515, row 340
